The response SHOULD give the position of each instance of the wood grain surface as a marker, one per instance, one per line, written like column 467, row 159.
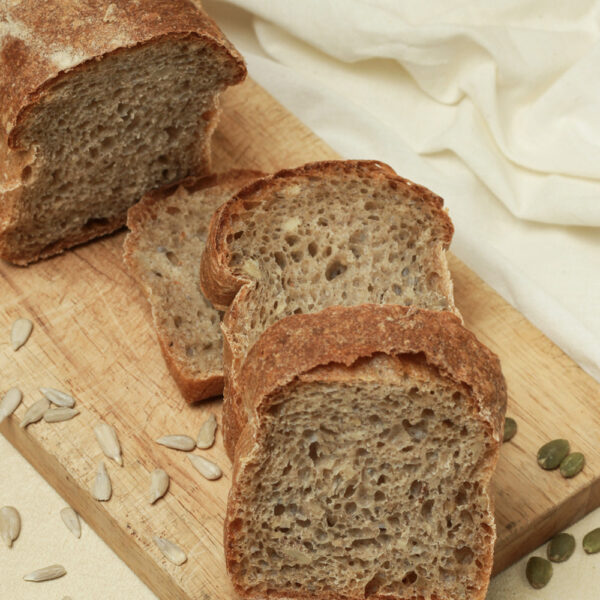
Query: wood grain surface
column 93, row 337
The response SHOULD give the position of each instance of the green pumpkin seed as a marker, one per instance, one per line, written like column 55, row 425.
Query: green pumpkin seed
column 538, row 572
column 510, row 428
column 550, row 455
column 572, row 465
column 591, row 541
column 561, row 547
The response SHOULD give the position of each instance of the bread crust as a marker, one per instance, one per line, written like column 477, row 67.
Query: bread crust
column 42, row 43
column 192, row 385
column 328, row 346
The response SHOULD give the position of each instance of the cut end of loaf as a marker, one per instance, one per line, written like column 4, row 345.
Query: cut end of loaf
column 365, row 482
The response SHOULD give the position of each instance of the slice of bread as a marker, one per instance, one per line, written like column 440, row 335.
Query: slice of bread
column 168, row 231
column 101, row 102
column 324, row 234
column 369, row 439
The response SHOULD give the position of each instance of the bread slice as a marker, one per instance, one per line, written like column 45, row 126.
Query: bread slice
column 101, row 102
column 328, row 233
column 369, row 438
column 168, row 231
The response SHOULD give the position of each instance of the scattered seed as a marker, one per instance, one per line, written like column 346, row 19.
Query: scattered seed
column 107, row 438
column 572, row 465
column 46, row 574
column 170, row 550
column 561, row 547
column 10, row 525
column 9, row 403
column 56, row 415
column 177, row 442
column 591, row 541
column 206, row 467
column 71, row 520
column 159, row 484
column 538, row 572
column 206, row 436
column 20, row 332
column 57, row 397
column 510, row 428
column 550, row 455
column 102, row 489
column 35, row 412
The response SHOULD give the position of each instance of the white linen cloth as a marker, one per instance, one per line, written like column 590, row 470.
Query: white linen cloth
column 494, row 106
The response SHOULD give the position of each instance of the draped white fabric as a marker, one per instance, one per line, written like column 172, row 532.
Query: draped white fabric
column 494, row 106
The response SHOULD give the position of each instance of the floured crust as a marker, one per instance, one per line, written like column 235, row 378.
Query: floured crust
column 333, row 346
column 217, row 279
column 194, row 386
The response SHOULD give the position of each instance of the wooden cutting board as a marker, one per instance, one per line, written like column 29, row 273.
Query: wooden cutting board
column 93, row 336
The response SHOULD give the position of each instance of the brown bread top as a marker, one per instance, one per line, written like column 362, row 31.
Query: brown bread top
column 218, row 280
column 299, row 343
column 42, row 40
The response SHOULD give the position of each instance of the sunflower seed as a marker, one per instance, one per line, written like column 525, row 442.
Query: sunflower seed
column 572, row 465
column 561, row 547
column 55, row 415
column 57, row 397
column 170, row 551
column 206, row 436
column 102, row 489
column 510, row 429
column 206, row 467
column 20, row 332
column 159, row 485
column 9, row 403
column 550, row 455
column 35, row 412
column 538, row 572
column 591, row 541
column 177, row 442
column 10, row 525
column 46, row 574
column 71, row 520
column 107, row 438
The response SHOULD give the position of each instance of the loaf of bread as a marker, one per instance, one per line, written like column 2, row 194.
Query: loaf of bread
column 100, row 102
column 329, row 233
column 369, row 436
column 163, row 250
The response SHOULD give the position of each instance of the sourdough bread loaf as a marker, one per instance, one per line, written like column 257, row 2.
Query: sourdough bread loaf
column 369, row 436
column 324, row 234
column 101, row 102
column 168, row 230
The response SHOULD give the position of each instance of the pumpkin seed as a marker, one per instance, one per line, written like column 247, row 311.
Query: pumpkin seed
column 46, row 574
column 159, row 484
column 102, row 488
column 20, row 332
column 206, row 435
column 108, row 441
column 206, row 467
column 35, row 412
column 572, row 465
column 591, row 541
column 550, row 455
column 561, row 547
column 538, row 572
column 9, row 403
column 10, row 525
column 177, row 442
column 71, row 520
column 170, row 550
column 56, row 415
column 57, row 397
column 510, row 428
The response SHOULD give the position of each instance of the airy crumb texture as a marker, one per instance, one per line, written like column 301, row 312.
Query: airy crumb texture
column 102, row 129
column 365, row 458
column 168, row 232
